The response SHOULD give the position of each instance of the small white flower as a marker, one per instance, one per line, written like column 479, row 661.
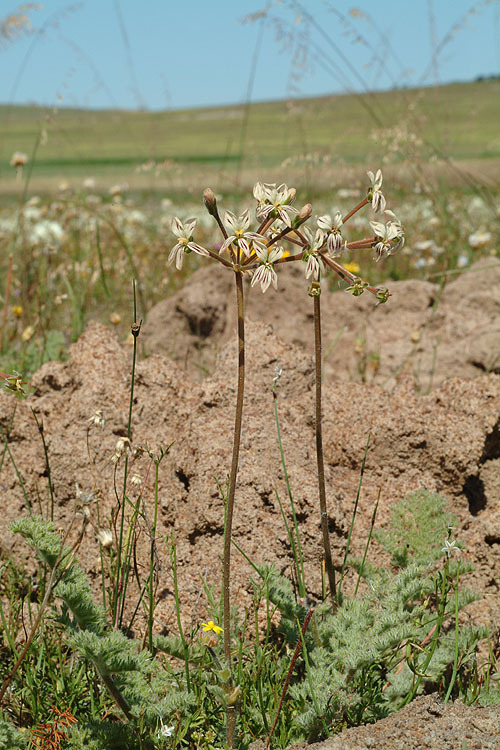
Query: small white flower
column 18, row 159
column 385, row 234
column 265, row 273
column 479, row 239
column 246, row 241
column 374, row 193
column 279, row 372
column 335, row 242
column 184, row 234
column 315, row 266
column 450, row 547
column 275, row 201
column 166, row 731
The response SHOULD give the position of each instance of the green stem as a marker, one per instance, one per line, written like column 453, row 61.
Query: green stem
column 319, row 455
column 455, row 660
column 231, row 711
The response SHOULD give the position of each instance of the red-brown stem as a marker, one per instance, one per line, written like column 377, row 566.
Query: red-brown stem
column 279, row 236
column 265, row 225
column 353, row 210
column 6, row 300
column 357, row 244
column 220, row 259
column 319, row 455
column 289, row 674
column 231, row 710
column 347, row 275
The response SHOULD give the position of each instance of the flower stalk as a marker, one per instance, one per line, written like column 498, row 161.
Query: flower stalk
column 330, row 571
column 231, row 709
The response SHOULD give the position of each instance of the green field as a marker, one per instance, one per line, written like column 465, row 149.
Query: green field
column 458, row 121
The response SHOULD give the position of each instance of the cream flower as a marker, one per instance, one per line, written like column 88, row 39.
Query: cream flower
column 184, row 234
column 265, row 273
column 246, row 241
column 374, row 193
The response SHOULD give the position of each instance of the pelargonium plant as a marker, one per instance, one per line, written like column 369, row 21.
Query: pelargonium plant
column 280, row 237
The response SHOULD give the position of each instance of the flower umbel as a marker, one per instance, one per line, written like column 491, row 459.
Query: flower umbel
column 184, row 234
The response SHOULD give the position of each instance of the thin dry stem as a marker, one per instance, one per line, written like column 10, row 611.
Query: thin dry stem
column 319, row 454
column 231, row 710
column 6, row 300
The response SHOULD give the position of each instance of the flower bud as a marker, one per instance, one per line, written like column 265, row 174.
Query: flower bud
column 233, row 696
column 303, row 215
column 210, row 201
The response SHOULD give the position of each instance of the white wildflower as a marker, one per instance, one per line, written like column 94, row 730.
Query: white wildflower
column 166, row 731
column 265, row 273
column 275, row 202
column 245, row 240
column 479, row 239
column 385, row 234
column 184, row 234
column 450, row 547
column 315, row 266
column 335, row 242
column 375, row 196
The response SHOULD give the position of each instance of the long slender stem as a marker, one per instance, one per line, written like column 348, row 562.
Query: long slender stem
column 231, row 711
column 298, row 647
column 6, row 300
column 319, row 454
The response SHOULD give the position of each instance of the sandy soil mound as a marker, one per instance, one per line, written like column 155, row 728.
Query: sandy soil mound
column 426, row 724
column 431, row 332
column 448, row 441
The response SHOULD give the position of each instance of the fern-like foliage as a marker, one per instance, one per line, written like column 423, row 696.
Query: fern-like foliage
column 10, row 738
column 417, row 528
column 371, row 649
column 42, row 536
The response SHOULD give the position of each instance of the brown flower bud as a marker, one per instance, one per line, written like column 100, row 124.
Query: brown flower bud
column 210, row 201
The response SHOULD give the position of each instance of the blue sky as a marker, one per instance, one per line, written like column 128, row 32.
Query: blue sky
column 159, row 54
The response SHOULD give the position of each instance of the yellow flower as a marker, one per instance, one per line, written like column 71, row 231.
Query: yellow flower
column 17, row 310
column 352, row 267
column 114, row 318
column 210, row 625
column 27, row 333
